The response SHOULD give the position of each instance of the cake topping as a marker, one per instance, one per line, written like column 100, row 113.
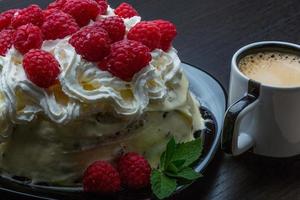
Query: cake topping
column 129, row 78
column 41, row 68
column 58, row 25
column 32, row 14
column 126, row 10
column 146, row 33
column 5, row 18
column 92, row 42
column 127, row 57
column 57, row 4
column 82, row 10
column 168, row 33
column 103, row 5
column 114, row 26
column 49, row 11
column 101, row 177
column 28, row 37
column 6, row 40
column 134, row 171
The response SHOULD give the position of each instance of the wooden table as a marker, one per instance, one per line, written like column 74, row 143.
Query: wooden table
column 210, row 31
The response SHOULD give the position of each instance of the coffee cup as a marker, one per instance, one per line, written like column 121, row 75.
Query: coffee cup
column 264, row 112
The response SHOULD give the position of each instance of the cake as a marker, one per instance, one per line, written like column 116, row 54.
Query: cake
column 55, row 123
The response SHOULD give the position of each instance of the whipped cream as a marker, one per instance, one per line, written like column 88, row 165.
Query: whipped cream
column 129, row 22
column 84, row 89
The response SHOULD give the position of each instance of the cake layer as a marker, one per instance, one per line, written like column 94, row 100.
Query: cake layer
column 47, row 152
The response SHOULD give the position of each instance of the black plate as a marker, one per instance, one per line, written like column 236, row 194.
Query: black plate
column 213, row 103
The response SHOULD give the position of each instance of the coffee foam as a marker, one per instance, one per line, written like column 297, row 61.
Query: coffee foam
column 272, row 68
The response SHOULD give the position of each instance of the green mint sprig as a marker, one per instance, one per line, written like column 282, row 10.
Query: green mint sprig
column 175, row 167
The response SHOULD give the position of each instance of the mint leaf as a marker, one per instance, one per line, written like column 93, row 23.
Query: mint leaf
column 162, row 160
column 168, row 154
column 178, row 163
column 172, row 168
column 175, row 167
column 189, row 151
column 186, row 173
column 161, row 185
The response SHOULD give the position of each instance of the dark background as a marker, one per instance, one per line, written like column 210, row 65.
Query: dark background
column 210, row 31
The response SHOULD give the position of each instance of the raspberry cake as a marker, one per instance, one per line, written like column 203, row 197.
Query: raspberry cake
column 82, row 82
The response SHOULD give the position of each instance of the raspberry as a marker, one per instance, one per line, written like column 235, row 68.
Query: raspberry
column 125, row 10
column 92, row 43
column 101, row 177
column 5, row 18
column 28, row 37
column 41, row 68
column 146, row 33
column 58, row 4
column 168, row 33
column 114, row 26
column 58, row 25
column 127, row 57
column 82, row 10
column 50, row 11
column 134, row 171
column 32, row 14
column 6, row 40
column 103, row 5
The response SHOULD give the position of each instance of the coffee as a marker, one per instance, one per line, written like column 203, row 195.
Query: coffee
column 272, row 68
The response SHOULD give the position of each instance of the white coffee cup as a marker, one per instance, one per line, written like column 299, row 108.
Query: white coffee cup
column 262, row 118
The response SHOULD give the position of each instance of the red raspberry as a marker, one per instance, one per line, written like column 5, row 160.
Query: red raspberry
column 32, row 14
column 48, row 12
column 58, row 4
column 28, row 37
column 127, row 57
column 126, row 10
column 92, row 43
column 101, row 177
column 5, row 18
column 58, row 25
column 103, row 5
column 134, row 171
column 41, row 68
column 168, row 33
column 146, row 33
column 114, row 26
column 82, row 10
column 6, row 40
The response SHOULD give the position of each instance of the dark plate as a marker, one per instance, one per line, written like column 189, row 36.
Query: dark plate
column 213, row 103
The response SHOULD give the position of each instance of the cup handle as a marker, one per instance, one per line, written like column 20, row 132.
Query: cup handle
column 234, row 141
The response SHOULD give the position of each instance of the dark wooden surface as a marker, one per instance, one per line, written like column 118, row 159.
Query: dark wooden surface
column 210, row 31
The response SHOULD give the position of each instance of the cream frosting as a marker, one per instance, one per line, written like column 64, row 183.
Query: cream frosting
column 22, row 100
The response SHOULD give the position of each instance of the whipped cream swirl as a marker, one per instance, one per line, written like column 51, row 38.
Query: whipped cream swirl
column 84, row 89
